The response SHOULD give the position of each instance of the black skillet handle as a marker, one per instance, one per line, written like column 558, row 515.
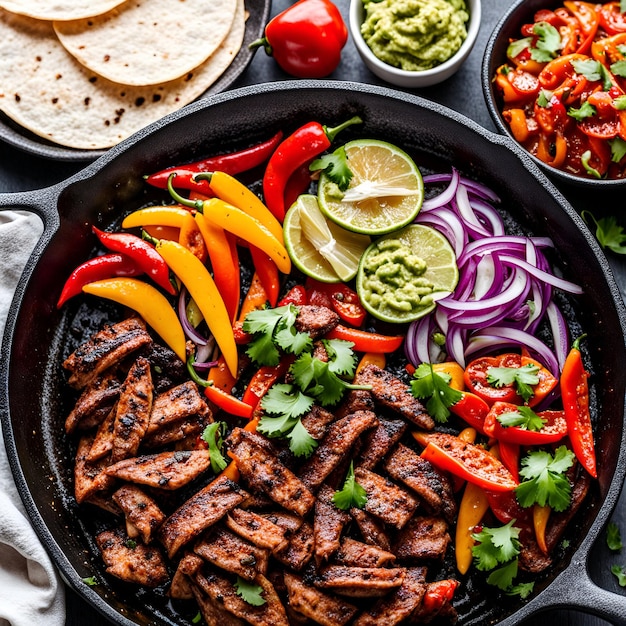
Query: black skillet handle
column 40, row 202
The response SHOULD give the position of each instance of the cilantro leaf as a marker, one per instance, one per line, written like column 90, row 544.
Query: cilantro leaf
column 524, row 417
column 92, row 581
column 197, row 618
column 543, row 99
column 620, row 574
column 586, row 110
column 545, row 482
column 341, row 358
column 435, row 386
column 593, row 71
column 548, row 42
column 609, row 234
column 585, row 159
column 251, row 593
column 213, row 435
column 502, row 578
column 613, row 537
column 301, row 443
column 523, row 590
column 352, row 494
column 284, row 399
column 518, row 46
column 619, row 68
column 618, row 148
column 335, row 166
column 496, row 546
column 523, row 378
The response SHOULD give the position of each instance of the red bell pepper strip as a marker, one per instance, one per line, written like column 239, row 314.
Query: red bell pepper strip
column 142, row 252
column 306, row 39
column 466, row 460
column 343, row 300
column 509, row 455
column 256, row 298
column 575, row 395
column 300, row 147
column 296, row 295
column 263, row 379
column 365, row 341
column 438, row 594
column 98, row 268
column 298, row 183
column 227, row 402
column 268, row 274
column 472, row 409
column 231, row 163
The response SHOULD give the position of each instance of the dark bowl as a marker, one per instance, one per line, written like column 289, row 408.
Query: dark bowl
column 522, row 12
column 34, row 396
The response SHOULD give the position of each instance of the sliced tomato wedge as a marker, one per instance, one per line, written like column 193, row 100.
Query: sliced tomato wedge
column 611, row 19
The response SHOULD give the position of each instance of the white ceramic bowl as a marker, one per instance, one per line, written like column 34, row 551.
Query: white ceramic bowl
column 406, row 78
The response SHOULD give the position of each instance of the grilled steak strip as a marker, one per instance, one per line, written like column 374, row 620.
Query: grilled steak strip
column 213, row 613
column 315, row 320
column 299, row 549
column 328, row 525
column 372, row 530
column 95, row 400
column 263, row 471
column 389, row 391
column 89, row 478
column 316, row 421
column 167, row 470
column 386, row 500
column 359, row 582
column 202, row 510
column 255, row 528
column 103, row 440
column 355, row 400
column 232, row 553
column 179, row 402
column 104, row 350
column 321, row 607
column 399, row 605
column 356, row 553
column 132, row 412
column 434, row 489
column 181, row 431
column 423, row 538
column 380, row 441
column 143, row 515
column 335, row 446
column 136, row 563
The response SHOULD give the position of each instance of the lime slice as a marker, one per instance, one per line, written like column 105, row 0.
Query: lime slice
column 385, row 193
column 402, row 274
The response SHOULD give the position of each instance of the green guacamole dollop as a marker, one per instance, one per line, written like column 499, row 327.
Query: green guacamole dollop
column 415, row 35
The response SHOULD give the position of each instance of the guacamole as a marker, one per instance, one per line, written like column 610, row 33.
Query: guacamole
column 414, row 35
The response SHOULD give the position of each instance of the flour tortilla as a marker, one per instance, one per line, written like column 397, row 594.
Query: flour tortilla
column 45, row 90
column 59, row 9
column 148, row 42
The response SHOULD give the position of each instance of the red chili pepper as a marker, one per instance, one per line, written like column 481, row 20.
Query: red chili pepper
column 575, row 395
column 142, row 252
column 306, row 39
column 438, row 593
column 297, row 184
column 268, row 274
column 365, row 341
column 228, row 402
column 296, row 295
column 231, row 163
column 472, row 409
column 300, row 147
column 509, row 455
column 339, row 297
column 98, row 268
column 263, row 379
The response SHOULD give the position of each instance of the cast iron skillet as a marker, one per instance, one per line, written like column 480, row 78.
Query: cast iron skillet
column 33, row 396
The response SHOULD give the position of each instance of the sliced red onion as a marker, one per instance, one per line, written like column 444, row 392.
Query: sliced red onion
column 446, row 196
column 558, row 325
column 542, row 275
column 188, row 329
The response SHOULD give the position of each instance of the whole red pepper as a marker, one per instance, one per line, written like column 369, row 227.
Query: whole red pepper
column 575, row 395
column 140, row 251
column 306, row 39
column 300, row 147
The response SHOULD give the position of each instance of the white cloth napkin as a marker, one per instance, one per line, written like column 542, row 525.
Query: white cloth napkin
column 30, row 589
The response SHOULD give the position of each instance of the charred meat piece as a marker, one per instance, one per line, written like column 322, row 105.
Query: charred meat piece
column 328, row 525
column 94, row 403
column 103, row 440
column 89, row 477
column 386, row 500
column 262, row 470
column 356, row 553
column 372, row 530
column 255, row 528
column 104, row 350
column 143, row 515
column 434, row 489
column 399, row 605
column 182, row 433
column 317, row 420
column 315, row 320
column 212, row 611
column 355, row 400
column 322, row 608
column 181, row 585
column 299, row 549
column 200, row 512
column 221, row 591
column 130, row 561
column 232, row 553
column 132, row 412
column 335, row 446
column 359, row 582
column 423, row 538
column 175, row 404
column 380, row 441
column 167, row 470
column 390, row 392
column 167, row 369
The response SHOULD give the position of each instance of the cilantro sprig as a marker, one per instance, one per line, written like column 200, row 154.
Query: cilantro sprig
column 249, row 592
column 522, row 378
column 351, row 494
column 335, row 166
column 613, row 537
column 213, row 435
column 434, row 386
column 609, row 233
column 548, row 42
column 545, row 481
column 593, row 71
column 523, row 417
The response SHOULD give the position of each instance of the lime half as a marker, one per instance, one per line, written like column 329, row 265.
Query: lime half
column 402, row 274
column 385, row 193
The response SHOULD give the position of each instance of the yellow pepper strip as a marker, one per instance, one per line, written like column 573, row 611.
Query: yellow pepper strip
column 199, row 282
column 249, row 229
column 473, row 506
column 454, row 370
column 229, row 189
column 468, row 435
column 191, row 238
column 156, row 216
column 150, row 303
column 371, row 358
column 541, row 514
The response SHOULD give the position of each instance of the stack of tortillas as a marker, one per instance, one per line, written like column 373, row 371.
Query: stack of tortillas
column 88, row 73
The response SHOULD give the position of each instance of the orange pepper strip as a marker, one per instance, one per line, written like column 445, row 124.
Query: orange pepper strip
column 191, row 238
column 163, row 232
column 371, row 358
column 268, row 274
column 516, row 119
column 455, row 371
column 221, row 377
column 473, row 506
column 541, row 515
column 255, row 299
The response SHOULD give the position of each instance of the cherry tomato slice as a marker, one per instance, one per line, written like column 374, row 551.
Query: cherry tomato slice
column 476, row 378
column 339, row 297
column 612, row 20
